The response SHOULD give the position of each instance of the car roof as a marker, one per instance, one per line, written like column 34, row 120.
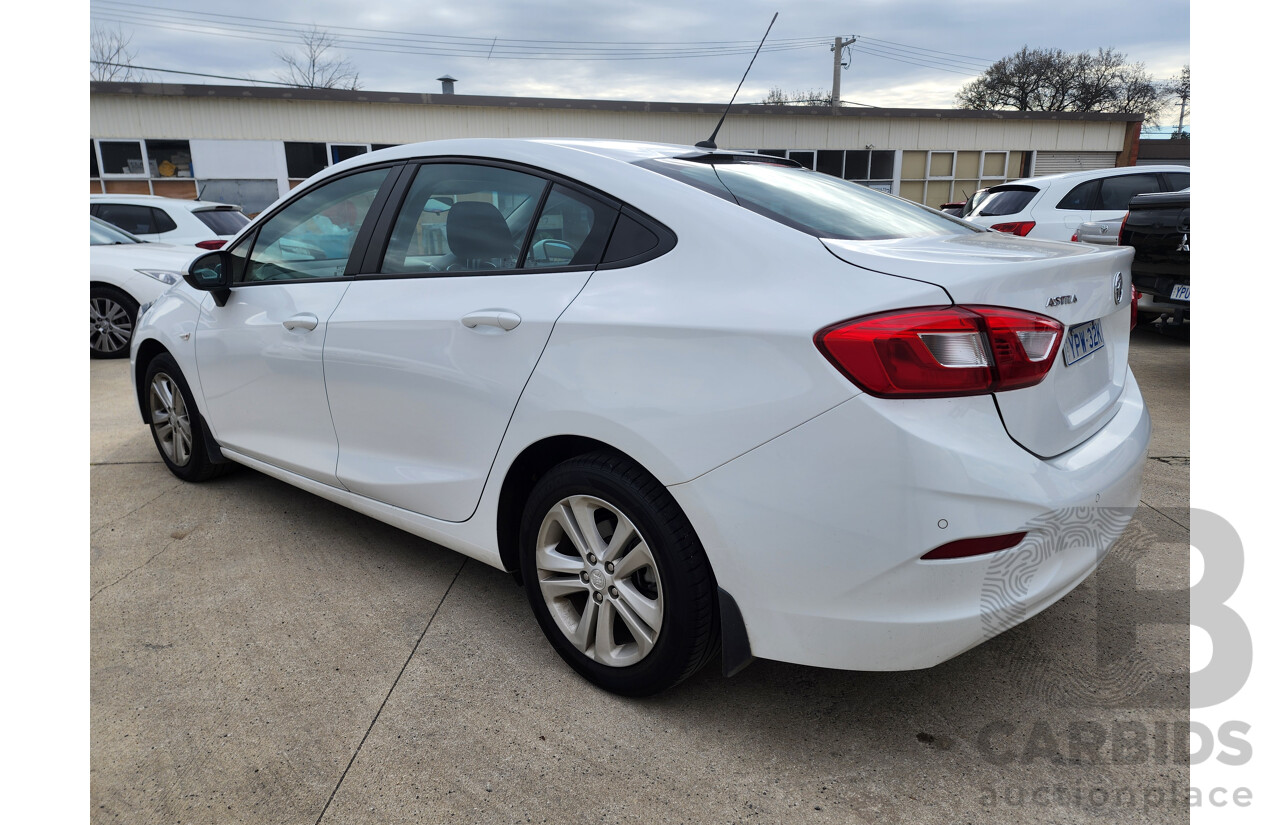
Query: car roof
column 1045, row 181
column 160, row 200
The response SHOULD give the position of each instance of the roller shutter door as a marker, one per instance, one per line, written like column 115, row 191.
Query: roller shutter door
column 1051, row 163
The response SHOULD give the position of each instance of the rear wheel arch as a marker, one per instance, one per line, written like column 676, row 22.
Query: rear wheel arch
column 522, row 476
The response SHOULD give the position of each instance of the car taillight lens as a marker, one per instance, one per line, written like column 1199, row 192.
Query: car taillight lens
column 936, row 352
column 210, row 244
column 1133, row 308
column 1019, row 228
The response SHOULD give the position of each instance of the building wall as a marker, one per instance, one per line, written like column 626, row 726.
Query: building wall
column 243, row 139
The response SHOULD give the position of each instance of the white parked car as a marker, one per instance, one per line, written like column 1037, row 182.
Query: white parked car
column 124, row 273
column 171, row 220
column 1052, row 207
column 705, row 404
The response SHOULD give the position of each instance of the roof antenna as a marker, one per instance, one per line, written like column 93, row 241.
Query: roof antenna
column 710, row 143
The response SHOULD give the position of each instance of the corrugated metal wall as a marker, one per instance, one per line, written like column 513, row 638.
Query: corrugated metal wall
column 129, row 116
column 1051, row 163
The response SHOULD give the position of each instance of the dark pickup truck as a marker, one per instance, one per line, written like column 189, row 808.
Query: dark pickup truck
column 1158, row 228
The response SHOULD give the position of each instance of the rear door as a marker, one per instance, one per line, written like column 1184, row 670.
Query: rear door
column 430, row 349
column 1115, row 192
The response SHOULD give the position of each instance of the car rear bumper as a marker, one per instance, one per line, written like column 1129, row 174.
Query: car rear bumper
column 818, row 533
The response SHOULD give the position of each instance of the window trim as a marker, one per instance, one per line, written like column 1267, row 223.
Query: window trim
column 928, row 168
column 667, row 239
column 982, row 165
column 145, row 174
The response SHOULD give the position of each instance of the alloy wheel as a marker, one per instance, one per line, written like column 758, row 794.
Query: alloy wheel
column 170, row 419
column 110, row 326
column 599, row 580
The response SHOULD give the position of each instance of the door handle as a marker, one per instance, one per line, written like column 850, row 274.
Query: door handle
column 503, row 318
column 305, row 321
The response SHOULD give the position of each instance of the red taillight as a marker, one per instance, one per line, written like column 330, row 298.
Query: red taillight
column 974, row 547
column 1120, row 231
column 210, row 244
column 1019, row 228
column 936, row 352
column 1075, row 236
column 1133, row 308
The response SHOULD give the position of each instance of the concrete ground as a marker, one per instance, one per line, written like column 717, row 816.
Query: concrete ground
column 260, row 655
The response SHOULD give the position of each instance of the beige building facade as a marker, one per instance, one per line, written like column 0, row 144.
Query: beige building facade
column 249, row 145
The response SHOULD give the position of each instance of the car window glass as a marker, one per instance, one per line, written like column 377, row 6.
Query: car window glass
column 999, row 202
column 1081, row 197
column 463, row 218
column 130, row 218
column 161, row 221
column 312, row 237
column 1115, row 192
column 1177, row 181
column 630, row 239
column 571, row 231
column 811, row 202
column 104, row 234
column 223, row 221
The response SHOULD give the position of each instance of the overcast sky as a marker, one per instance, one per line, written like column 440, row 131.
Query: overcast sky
column 910, row 53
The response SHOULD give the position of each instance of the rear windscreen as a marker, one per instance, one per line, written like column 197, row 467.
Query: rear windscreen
column 223, row 221
column 818, row 204
column 1005, row 201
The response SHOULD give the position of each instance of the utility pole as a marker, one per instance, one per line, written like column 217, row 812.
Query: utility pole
column 838, row 48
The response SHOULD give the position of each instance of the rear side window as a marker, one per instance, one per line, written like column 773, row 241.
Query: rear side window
column 630, row 239
column 464, row 218
column 818, row 204
column 1177, row 181
column 1081, row 197
column 1115, row 192
column 571, row 231
column 162, row 221
column 1008, row 201
column 223, row 221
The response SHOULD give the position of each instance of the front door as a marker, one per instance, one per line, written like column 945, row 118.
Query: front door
column 259, row 355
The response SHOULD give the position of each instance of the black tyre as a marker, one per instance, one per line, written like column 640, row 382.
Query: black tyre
column 112, row 317
column 616, row 576
column 176, row 424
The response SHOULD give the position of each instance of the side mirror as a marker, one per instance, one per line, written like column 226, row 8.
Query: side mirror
column 212, row 273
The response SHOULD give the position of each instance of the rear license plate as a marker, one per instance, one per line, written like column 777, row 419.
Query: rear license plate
column 1181, row 292
column 1081, row 340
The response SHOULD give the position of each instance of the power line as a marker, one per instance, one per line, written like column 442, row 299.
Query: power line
column 193, row 74
column 500, row 52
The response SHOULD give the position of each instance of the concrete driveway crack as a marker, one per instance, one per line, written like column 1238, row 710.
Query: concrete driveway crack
column 134, row 570
column 1186, row 527
column 391, row 690
column 105, row 525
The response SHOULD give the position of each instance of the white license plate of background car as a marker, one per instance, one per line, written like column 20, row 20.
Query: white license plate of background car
column 1081, row 340
column 1181, row 292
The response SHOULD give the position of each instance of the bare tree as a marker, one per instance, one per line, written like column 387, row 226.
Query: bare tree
column 110, row 57
column 1051, row 80
column 312, row 67
column 813, row 97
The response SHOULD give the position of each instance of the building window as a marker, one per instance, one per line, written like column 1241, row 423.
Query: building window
column 169, row 159
column 345, row 151
column 122, row 158
column 93, row 161
column 302, row 160
column 949, row 176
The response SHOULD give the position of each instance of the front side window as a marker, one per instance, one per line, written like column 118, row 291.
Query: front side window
column 312, row 237
column 463, row 218
column 818, row 204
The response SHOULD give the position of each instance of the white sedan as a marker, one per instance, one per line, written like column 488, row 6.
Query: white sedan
column 124, row 273
column 703, row 404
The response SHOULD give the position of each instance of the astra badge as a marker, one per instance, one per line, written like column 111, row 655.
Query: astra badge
column 1117, row 288
column 1061, row 300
